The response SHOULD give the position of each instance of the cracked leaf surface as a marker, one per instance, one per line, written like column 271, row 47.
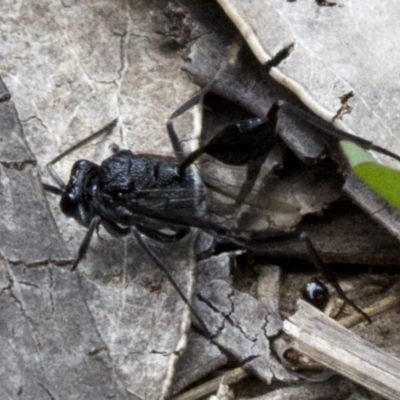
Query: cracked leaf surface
column 72, row 68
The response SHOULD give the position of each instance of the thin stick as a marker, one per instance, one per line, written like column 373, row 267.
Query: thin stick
column 373, row 310
column 211, row 386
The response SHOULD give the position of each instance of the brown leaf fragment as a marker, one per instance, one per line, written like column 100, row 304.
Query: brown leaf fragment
column 344, row 234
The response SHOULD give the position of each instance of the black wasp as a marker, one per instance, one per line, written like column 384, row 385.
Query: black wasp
column 163, row 198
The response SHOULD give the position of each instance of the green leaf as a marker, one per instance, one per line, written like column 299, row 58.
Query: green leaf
column 355, row 154
column 383, row 180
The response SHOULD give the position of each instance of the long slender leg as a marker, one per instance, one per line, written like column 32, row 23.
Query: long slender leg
column 328, row 274
column 253, row 170
column 160, row 265
column 331, row 130
column 50, row 166
column 191, row 158
column 83, row 248
column 245, row 143
column 258, row 245
column 176, row 145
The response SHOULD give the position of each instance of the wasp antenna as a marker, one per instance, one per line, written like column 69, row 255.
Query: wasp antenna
column 52, row 189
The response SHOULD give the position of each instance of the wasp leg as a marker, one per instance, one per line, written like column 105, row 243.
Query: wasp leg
column 253, row 170
column 328, row 274
column 331, row 130
column 83, row 248
column 246, row 143
column 173, row 137
column 261, row 240
column 112, row 228
column 161, row 266
column 163, row 237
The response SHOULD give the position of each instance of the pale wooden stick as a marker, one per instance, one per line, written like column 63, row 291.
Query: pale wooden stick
column 211, row 386
column 325, row 341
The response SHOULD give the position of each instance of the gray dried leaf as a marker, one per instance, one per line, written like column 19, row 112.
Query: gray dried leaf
column 71, row 72
column 337, row 73
column 248, row 83
column 325, row 65
column 50, row 344
column 244, row 335
column 200, row 358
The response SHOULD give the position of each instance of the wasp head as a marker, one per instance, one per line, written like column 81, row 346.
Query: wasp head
column 76, row 200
